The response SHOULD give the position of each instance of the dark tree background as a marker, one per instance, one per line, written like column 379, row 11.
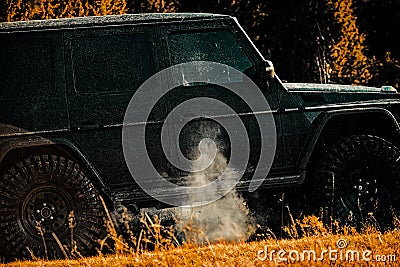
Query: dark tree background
column 299, row 36
column 295, row 34
column 380, row 20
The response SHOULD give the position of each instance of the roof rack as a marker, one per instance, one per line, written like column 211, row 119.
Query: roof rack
column 69, row 23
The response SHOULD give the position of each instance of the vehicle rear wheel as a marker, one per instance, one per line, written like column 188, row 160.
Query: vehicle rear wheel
column 358, row 181
column 37, row 198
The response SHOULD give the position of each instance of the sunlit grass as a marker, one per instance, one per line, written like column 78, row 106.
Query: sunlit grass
column 304, row 235
column 245, row 254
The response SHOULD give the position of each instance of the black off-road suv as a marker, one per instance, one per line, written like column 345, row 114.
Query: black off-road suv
column 65, row 85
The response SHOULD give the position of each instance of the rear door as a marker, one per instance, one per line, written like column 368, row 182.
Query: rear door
column 105, row 67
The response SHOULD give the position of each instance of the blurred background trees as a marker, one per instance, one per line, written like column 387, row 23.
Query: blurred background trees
column 324, row 41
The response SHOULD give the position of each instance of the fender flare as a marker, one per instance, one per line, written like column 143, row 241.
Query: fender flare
column 38, row 141
column 320, row 122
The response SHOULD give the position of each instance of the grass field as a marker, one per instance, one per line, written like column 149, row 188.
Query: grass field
column 318, row 246
column 384, row 246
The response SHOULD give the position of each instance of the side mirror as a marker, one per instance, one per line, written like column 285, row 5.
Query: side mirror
column 269, row 69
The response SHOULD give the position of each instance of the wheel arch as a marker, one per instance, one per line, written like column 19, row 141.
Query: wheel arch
column 12, row 151
column 330, row 125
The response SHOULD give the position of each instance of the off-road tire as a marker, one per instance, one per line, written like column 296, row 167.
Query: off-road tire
column 45, row 189
column 358, row 181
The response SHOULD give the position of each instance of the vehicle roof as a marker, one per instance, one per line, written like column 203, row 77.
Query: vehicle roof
column 69, row 23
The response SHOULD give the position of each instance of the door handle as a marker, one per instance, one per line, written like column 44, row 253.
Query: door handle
column 87, row 126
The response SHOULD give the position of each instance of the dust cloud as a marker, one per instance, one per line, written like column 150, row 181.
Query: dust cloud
column 226, row 219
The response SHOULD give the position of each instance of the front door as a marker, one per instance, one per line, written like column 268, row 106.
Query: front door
column 217, row 43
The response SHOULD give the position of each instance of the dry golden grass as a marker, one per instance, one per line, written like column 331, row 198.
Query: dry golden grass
column 332, row 246
column 315, row 237
column 309, row 243
column 245, row 254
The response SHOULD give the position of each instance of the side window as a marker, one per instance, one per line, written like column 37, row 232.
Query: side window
column 26, row 68
column 111, row 63
column 217, row 46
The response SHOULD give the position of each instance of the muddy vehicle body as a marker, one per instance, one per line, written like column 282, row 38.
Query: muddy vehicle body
column 65, row 85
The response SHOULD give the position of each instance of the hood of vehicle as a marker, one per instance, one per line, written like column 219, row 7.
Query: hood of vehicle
column 320, row 94
column 336, row 88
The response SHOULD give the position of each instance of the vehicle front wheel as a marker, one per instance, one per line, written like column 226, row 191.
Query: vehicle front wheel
column 358, row 181
column 48, row 207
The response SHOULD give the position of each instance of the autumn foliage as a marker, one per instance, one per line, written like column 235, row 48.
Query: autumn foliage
column 308, row 40
column 349, row 64
column 50, row 9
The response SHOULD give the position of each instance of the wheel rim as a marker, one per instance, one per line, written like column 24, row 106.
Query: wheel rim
column 362, row 195
column 47, row 207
